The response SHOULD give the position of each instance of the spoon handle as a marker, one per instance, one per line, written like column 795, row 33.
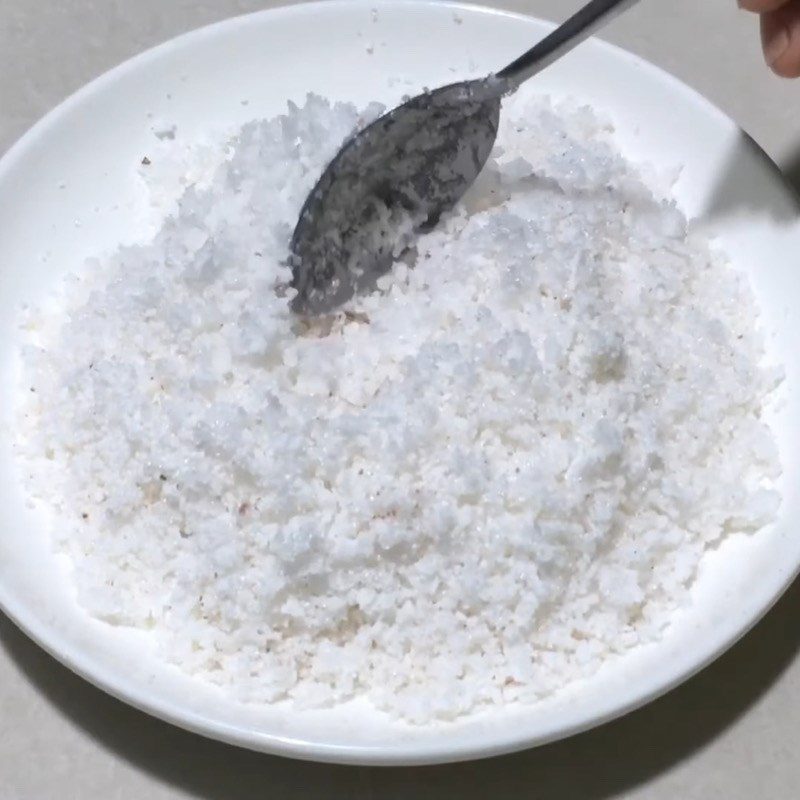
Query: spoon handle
column 576, row 29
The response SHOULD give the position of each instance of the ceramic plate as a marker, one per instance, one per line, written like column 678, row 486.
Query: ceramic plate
column 69, row 189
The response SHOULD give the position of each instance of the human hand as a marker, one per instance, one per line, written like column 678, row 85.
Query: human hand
column 780, row 33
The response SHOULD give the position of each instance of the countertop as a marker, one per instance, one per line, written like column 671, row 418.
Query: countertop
column 728, row 733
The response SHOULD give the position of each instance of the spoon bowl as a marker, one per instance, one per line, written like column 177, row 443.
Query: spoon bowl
column 396, row 177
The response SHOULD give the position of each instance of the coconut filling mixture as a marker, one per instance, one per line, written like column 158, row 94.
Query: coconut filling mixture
column 470, row 487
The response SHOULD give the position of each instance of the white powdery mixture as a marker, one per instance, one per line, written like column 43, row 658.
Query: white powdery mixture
column 470, row 488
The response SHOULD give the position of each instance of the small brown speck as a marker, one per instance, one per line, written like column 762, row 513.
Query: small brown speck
column 356, row 316
column 84, row 515
column 33, row 389
column 162, row 477
column 244, row 508
column 146, row 162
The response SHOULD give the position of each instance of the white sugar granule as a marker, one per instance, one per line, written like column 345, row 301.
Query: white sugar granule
column 472, row 487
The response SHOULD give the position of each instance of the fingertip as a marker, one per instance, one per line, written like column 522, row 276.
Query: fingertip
column 787, row 67
column 780, row 34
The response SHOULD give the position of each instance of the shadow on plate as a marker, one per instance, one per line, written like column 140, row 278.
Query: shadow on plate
column 791, row 170
column 596, row 765
column 744, row 188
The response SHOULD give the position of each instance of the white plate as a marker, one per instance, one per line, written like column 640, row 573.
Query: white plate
column 68, row 189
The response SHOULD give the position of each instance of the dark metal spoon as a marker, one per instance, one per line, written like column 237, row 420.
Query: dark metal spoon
column 395, row 178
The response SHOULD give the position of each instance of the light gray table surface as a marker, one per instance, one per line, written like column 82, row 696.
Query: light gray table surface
column 730, row 733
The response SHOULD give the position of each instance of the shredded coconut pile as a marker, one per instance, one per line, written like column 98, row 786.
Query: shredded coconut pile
column 471, row 487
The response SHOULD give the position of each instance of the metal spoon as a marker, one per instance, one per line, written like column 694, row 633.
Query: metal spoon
column 397, row 176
